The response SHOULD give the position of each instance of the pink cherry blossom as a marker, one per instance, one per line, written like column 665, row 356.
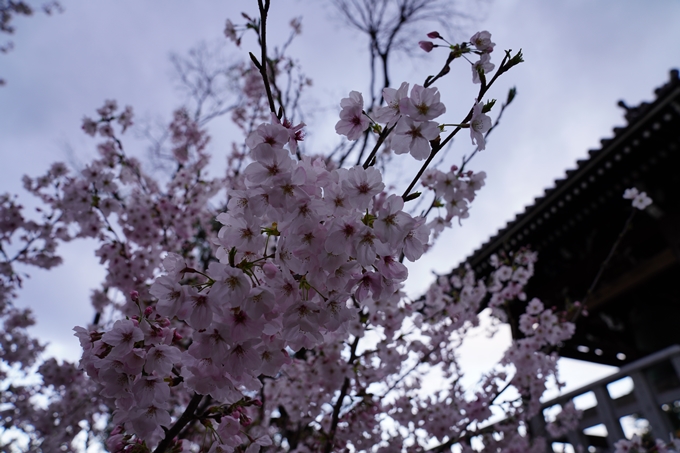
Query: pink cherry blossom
column 423, row 104
column 122, row 337
column 480, row 123
column 352, row 122
column 640, row 199
column 414, row 137
column 361, row 185
column 391, row 113
column 482, row 41
column 482, row 65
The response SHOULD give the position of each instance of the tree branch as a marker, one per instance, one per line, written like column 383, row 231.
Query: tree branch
column 181, row 422
column 338, row 404
column 264, row 9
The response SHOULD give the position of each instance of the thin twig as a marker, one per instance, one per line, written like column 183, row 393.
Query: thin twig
column 381, row 139
column 264, row 9
column 507, row 63
column 605, row 264
column 466, row 160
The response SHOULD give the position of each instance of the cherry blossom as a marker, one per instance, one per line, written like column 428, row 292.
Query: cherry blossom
column 390, row 113
column 352, row 122
column 422, row 104
column 640, row 199
column 480, row 123
column 482, row 41
column 482, row 66
column 414, row 137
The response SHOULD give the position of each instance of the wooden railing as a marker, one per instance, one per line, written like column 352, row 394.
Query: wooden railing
column 656, row 387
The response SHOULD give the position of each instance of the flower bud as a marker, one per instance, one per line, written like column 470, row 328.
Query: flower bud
column 427, row 46
column 269, row 269
column 245, row 420
column 434, row 35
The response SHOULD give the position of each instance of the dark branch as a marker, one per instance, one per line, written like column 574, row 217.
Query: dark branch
column 338, row 404
column 181, row 422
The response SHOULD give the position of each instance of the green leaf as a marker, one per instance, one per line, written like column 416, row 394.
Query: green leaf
column 488, row 106
column 412, row 196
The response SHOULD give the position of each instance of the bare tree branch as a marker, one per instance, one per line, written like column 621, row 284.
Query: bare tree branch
column 207, row 80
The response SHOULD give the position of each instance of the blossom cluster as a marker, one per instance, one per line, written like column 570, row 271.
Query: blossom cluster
column 408, row 116
column 307, row 258
column 481, row 41
column 534, row 355
column 566, row 421
column 114, row 201
column 278, row 318
column 407, row 119
column 295, row 246
column 133, row 220
column 640, row 199
column 450, row 308
column 637, row 444
column 454, row 191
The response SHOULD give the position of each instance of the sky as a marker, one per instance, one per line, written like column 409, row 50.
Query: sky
column 582, row 56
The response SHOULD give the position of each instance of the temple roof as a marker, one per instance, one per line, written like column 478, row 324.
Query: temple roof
column 574, row 224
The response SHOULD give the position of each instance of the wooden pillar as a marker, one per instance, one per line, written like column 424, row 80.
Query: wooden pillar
column 537, row 426
column 577, row 438
column 676, row 364
column 608, row 416
column 647, row 401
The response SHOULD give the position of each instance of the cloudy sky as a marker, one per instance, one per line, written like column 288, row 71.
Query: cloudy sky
column 582, row 56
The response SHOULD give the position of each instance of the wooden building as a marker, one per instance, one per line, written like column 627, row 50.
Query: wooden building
column 635, row 309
